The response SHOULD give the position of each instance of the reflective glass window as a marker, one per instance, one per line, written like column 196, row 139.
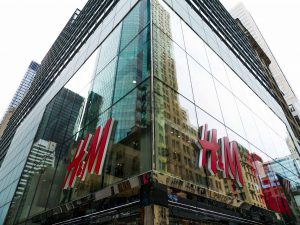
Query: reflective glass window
column 175, row 130
column 133, row 64
column 204, row 89
column 109, row 49
column 170, row 64
column 217, row 67
column 249, row 124
column 229, row 109
column 134, row 22
column 167, row 21
column 195, row 46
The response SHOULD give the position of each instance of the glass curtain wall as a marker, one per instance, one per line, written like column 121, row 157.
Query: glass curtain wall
column 113, row 83
column 195, row 94
column 194, row 88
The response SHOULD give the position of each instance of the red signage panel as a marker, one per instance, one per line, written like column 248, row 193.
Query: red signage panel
column 218, row 155
column 90, row 155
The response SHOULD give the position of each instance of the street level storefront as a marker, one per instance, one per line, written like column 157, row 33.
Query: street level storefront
column 159, row 124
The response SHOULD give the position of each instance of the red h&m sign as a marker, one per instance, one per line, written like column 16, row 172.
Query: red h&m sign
column 90, row 155
column 222, row 155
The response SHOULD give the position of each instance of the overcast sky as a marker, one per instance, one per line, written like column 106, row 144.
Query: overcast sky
column 28, row 29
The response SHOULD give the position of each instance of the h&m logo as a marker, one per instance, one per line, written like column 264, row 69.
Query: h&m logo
column 219, row 155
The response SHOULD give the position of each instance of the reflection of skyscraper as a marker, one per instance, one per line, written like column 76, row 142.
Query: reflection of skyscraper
column 132, row 65
column 40, row 161
column 91, row 112
column 40, row 150
column 60, row 118
column 175, row 153
column 57, row 125
column 131, row 111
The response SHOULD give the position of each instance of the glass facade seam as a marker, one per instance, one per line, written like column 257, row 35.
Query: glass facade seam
column 65, row 80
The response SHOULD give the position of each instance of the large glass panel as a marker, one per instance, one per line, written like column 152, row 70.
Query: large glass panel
column 175, row 129
column 133, row 64
column 205, row 118
column 217, row 67
column 270, row 146
column 101, row 93
column 229, row 109
column 167, row 21
column 237, row 86
column 195, row 46
column 249, row 124
column 204, row 90
column 170, row 64
column 135, row 22
column 130, row 153
column 109, row 49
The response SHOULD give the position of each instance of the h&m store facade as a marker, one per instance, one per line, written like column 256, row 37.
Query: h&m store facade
column 157, row 119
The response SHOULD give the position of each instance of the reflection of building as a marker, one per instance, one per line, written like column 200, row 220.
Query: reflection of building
column 289, row 168
column 276, row 187
column 159, row 93
column 251, row 192
column 92, row 110
column 20, row 94
column 60, row 118
column 274, row 194
column 39, row 163
column 39, row 151
column 176, row 133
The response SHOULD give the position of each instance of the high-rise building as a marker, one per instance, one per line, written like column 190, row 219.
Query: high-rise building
column 161, row 112
column 20, row 94
column 242, row 14
column 24, row 85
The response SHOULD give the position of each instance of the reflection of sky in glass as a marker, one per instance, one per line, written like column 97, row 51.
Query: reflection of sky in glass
column 204, row 92
column 82, row 79
column 81, row 82
column 195, row 46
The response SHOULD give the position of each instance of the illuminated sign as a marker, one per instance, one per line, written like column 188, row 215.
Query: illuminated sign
column 219, row 155
column 90, row 155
